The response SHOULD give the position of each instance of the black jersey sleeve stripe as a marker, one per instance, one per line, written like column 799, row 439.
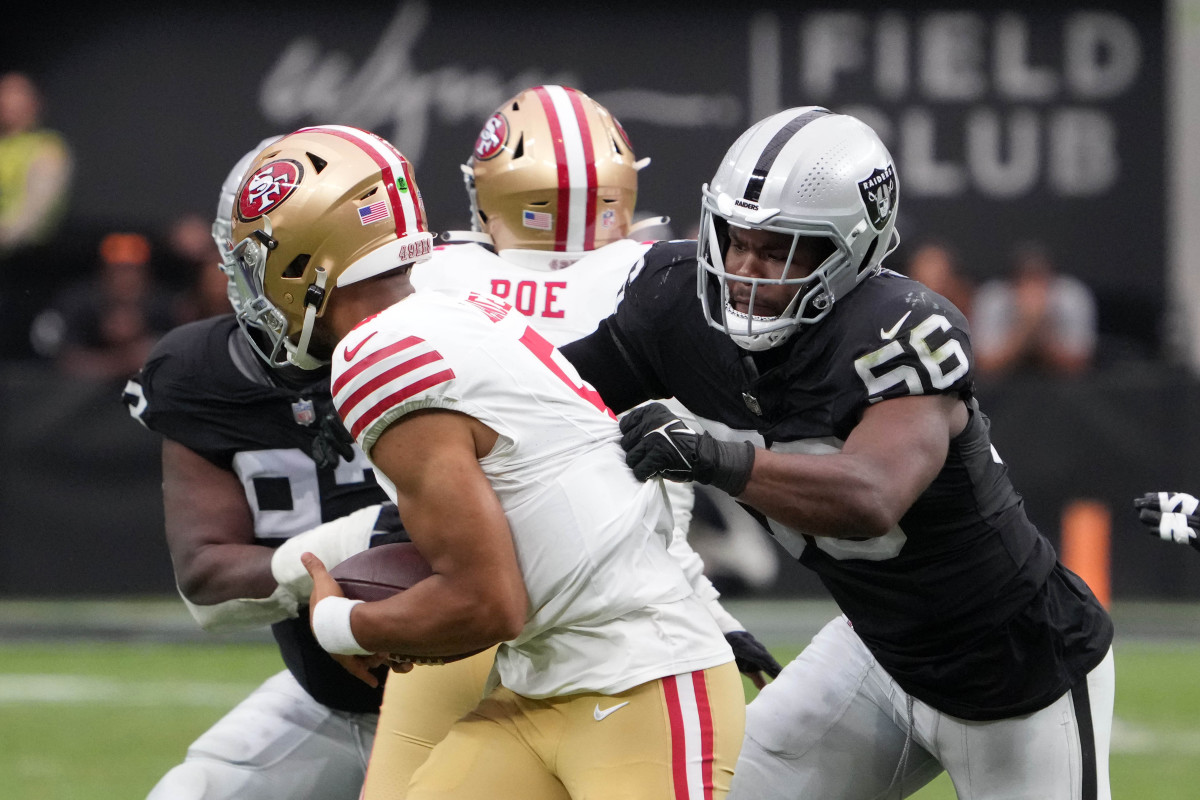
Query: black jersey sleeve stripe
column 771, row 152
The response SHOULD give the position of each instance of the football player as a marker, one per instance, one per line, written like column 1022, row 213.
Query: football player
column 611, row 678
column 552, row 182
column 836, row 401
column 1171, row 516
column 257, row 469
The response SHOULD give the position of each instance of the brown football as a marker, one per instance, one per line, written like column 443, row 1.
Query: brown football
column 380, row 572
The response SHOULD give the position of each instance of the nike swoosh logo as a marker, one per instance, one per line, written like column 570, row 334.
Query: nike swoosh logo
column 599, row 715
column 350, row 354
column 891, row 332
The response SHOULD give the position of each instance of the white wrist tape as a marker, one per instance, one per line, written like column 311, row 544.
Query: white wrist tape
column 331, row 626
column 244, row 613
column 333, row 542
column 1174, row 527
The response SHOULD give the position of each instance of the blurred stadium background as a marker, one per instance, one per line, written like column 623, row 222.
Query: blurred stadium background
column 1070, row 122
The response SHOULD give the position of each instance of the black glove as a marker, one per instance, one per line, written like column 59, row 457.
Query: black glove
column 657, row 442
column 1171, row 515
column 751, row 656
column 332, row 440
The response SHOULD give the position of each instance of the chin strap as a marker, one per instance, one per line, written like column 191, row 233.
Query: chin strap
column 312, row 301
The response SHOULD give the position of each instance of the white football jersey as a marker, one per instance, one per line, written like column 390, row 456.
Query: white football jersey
column 565, row 295
column 610, row 608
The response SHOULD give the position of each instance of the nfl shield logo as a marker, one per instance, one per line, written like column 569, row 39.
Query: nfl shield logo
column 303, row 412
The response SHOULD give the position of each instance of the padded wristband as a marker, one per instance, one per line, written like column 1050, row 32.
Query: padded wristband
column 728, row 464
column 331, row 626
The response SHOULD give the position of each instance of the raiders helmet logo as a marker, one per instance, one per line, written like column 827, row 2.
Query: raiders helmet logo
column 267, row 187
column 492, row 138
column 879, row 195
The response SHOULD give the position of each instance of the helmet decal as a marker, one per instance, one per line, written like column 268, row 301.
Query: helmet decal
column 270, row 185
column 575, row 228
column 538, row 220
column 492, row 138
column 878, row 195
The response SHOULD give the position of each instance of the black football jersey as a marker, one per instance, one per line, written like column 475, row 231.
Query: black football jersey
column 964, row 602
column 204, row 388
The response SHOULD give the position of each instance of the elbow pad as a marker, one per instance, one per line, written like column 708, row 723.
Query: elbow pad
column 333, row 542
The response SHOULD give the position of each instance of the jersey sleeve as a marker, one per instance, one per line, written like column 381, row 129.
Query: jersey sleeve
column 172, row 396
column 379, row 376
column 916, row 343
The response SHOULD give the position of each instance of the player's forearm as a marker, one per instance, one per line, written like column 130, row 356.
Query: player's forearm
column 439, row 617
column 215, row 573
column 823, row 495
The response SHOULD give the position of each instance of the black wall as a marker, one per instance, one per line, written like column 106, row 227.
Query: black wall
column 1032, row 120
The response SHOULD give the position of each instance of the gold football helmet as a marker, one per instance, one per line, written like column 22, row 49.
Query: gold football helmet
column 317, row 209
column 552, row 169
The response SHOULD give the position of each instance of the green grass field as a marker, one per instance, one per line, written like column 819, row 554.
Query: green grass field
column 103, row 716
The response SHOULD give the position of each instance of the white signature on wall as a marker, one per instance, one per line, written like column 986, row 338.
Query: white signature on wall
column 391, row 95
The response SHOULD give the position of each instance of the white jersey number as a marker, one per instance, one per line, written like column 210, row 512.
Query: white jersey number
column 873, row 367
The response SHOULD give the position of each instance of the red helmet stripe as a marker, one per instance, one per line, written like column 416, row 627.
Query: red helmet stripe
column 389, row 163
column 563, row 217
column 589, row 165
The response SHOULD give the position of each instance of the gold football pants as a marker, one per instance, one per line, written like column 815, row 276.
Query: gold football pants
column 674, row 738
column 418, row 709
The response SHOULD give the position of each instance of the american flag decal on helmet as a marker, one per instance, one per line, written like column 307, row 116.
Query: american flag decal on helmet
column 575, row 228
column 405, row 205
column 373, row 212
column 376, row 381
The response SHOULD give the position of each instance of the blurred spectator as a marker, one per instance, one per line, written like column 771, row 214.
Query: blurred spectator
column 935, row 264
column 194, row 261
column 35, row 167
column 1036, row 320
column 35, row 174
column 104, row 327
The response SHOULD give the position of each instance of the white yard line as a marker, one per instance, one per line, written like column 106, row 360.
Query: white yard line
column 92, row 690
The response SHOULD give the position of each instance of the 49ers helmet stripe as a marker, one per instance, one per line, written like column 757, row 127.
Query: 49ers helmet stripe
column 405, row 210
column 589, row 159
column 574, row 229
column 771, row 152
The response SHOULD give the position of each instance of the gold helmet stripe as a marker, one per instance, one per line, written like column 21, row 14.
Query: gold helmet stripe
column 575, row 228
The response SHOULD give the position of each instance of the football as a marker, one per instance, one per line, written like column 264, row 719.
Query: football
column 380, row 572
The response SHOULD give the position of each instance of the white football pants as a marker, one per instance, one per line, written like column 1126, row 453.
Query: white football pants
column 277, row 744
column 835, row 726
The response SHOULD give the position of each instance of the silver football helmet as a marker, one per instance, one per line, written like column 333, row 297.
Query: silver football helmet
column 801, row 172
